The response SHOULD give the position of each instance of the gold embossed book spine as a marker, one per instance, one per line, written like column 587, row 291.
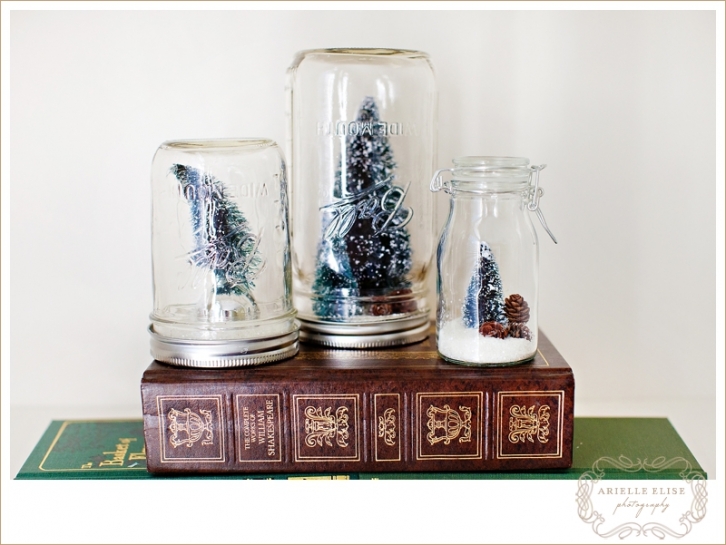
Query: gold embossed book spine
column 398, row 410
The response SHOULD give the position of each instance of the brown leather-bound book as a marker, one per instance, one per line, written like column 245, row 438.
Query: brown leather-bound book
column 401, row 409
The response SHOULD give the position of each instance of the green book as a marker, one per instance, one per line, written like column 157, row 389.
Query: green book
column 88, row 449
column 625, row 448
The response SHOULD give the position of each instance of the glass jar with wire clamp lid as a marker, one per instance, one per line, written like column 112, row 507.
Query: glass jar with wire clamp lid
column 487, row 261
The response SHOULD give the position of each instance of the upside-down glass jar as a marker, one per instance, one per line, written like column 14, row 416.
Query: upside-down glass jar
column 221, row 254
column 361, row 147
column 487, row 262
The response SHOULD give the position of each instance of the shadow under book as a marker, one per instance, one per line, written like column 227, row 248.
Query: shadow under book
column 397, row 410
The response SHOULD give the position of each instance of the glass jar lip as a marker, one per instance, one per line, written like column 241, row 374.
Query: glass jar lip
column 496, row 172
column 490, row 161
column 368, row 51
column 221, row 144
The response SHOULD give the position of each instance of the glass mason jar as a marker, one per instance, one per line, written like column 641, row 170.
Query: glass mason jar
column 487, row 262
column 221, row 254
column 361, row 143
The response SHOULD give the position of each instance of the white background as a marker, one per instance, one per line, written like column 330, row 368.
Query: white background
column 622, row 105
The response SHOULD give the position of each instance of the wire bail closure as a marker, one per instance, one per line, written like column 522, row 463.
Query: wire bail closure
column 437, row 182
column 535, row 193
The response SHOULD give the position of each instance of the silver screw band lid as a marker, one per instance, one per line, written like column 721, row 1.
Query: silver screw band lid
column 380, row 334
column 223, row 353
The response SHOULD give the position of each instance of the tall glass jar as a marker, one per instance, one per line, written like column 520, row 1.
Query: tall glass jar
column 487, row 262
column 221, row 254
column 361, row 147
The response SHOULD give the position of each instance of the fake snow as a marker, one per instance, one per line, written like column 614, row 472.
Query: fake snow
column 466, row 345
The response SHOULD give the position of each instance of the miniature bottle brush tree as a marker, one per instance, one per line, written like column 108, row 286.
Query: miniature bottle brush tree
column 360, row 255
column 224, row 243
column 485, row 307
column 492, row 328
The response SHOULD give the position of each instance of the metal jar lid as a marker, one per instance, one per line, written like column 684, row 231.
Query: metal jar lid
column 226, row 353
column 379, row 334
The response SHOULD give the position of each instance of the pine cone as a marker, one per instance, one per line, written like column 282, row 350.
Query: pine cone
column 404, row 306
column 380, row 307
column 516, row 309
column 493, row 329
column 519, row 331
